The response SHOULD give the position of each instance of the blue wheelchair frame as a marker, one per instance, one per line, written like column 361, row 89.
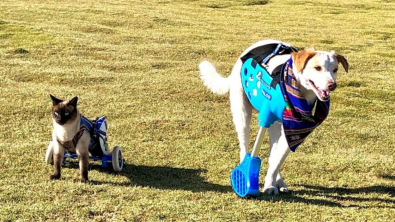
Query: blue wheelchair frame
column 105, row 159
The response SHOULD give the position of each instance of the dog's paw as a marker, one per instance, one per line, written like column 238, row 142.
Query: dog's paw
column 282, row 187
column 271, row 190
column 54, row 177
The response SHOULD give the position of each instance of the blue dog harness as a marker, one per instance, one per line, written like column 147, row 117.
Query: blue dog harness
column 257, row 84
column 261, row 87
column 276, row 97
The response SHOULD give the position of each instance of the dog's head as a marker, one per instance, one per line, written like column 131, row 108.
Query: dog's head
column 316, row 71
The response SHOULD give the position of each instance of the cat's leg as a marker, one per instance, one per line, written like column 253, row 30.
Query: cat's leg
column 58, row 154
column 83, row 156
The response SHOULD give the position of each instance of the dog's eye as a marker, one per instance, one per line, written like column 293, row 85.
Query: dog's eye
column 335, row 70
column 66, row 114
column 318, row 68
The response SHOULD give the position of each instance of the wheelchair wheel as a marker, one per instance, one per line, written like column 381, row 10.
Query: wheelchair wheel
column 49, row 154
column 117, row 160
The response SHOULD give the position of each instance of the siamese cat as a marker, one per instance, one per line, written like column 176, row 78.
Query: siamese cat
column 68, row 136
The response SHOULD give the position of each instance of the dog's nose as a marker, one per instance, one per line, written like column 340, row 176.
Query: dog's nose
column 332, row 86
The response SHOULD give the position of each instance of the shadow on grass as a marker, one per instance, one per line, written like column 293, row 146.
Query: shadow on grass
column 389, row 177
column 163, row 177
column 338, row 196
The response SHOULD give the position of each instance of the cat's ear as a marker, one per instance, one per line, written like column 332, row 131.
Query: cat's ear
column 73, row 101
column 55, row 101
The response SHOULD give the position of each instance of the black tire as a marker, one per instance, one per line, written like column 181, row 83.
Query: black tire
column 117, row 160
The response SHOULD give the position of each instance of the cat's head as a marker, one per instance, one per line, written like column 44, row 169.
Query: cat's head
column 64, row 111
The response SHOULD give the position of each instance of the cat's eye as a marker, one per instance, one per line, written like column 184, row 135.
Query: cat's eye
column 66, row 114
column 56, row 113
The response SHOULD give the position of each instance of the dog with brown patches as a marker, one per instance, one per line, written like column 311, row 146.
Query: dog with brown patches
column 68, row 136
column 307, row 79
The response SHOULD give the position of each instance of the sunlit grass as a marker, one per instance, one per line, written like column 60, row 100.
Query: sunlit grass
column 137, row 63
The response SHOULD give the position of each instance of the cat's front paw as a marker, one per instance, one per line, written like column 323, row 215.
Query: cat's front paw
column 84, row 180
column 54, row 177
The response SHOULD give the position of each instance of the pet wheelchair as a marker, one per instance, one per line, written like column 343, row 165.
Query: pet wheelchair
column 98, row 147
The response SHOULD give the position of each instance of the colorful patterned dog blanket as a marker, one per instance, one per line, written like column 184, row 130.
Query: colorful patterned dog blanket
column 299, row 120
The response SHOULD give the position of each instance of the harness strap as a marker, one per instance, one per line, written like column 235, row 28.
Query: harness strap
column 276, row 74
column 264, row 53
column 71, row 144
column 275, row 51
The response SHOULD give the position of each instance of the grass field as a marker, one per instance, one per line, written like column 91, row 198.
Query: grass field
column 137, row 62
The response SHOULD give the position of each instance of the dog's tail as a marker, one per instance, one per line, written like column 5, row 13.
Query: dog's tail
column 212, row 79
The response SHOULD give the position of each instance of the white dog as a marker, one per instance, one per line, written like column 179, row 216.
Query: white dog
column 313, row 77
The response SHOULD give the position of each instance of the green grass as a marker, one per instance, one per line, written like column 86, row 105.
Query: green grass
column 137, row 62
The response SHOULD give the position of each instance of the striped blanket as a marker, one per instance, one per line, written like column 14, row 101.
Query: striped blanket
column 299, row 118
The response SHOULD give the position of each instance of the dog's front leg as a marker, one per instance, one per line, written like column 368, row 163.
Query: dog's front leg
column 58, row 154
column 83, row 156
column 278, row 153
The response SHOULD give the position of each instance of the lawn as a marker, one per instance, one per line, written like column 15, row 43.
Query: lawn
column 137, row 63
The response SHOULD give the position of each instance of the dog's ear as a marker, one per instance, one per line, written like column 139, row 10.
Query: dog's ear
column 73, row 101
column 55, row 101
column 342, row 60
column 301, row 58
